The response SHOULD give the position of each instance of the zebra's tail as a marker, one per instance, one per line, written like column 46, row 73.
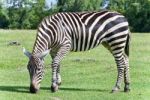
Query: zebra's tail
column 127, row 45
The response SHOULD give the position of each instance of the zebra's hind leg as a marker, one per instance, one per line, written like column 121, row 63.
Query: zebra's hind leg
column 117, row 52
column 126, row 75
column 120, row 61
column 55, row 66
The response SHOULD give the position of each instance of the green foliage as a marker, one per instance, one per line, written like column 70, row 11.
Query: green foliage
column 26, row 17
column 78, row 5
column 28, row 14
column 16, row 17
column 139, row 16
column 69, row 5
column 136, row 11
column 91, row 5
column 3, row 18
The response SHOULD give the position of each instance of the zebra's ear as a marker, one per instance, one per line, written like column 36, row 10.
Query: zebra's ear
column 43, row 54
column 28, row 54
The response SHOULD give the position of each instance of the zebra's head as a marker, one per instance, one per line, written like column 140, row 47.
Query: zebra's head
column 36, row 69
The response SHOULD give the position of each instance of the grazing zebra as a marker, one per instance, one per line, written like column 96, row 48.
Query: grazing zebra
column 63, row 32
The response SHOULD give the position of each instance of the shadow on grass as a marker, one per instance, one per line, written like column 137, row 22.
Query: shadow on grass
column 21, row 89
column 25, row 89
column 82, row 89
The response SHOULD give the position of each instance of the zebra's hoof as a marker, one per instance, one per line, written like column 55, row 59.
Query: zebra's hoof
column 54, row 88
column 115, row 89
column 127, row 89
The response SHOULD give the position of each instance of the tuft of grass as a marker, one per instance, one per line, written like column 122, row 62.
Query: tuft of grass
column 86, row 75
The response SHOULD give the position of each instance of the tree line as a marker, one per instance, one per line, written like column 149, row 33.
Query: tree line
column 27, row 15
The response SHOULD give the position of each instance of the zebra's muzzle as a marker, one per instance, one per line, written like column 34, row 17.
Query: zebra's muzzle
column 33, row 89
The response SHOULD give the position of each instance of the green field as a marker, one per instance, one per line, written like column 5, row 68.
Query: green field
column 86, row 75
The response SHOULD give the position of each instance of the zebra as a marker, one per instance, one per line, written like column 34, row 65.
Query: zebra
column 63, row 32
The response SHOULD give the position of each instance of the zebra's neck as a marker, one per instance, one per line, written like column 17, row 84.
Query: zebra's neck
column 46, row 35
column 40, row 44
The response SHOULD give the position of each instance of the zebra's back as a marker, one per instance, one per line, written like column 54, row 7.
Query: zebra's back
column 89, row 29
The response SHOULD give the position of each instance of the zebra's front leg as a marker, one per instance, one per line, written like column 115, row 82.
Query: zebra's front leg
column 56, row 78
column 120, row 67
column 54, row 86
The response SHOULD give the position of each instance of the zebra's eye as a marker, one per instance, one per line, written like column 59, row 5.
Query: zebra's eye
column 38, row 69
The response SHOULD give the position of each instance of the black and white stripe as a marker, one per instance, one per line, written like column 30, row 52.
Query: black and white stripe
column 64, row 32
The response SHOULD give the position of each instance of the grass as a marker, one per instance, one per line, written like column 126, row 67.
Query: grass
column 86, row 75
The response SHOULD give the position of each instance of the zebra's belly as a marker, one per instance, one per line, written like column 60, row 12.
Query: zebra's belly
column 84, row 46
column 85, row 40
